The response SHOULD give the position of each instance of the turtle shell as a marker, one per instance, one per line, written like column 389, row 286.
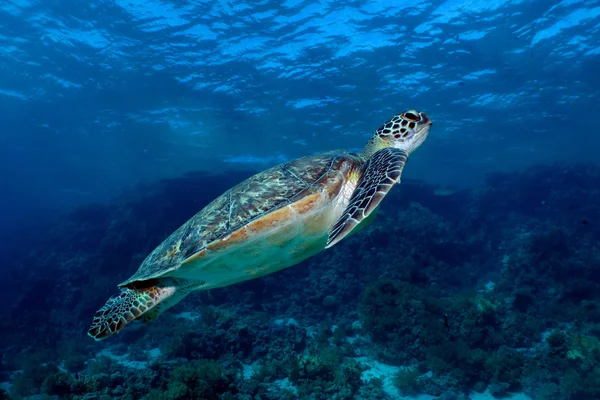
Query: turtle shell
column 250, row 200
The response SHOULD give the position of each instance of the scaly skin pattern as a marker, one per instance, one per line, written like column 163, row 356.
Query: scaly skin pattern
column 143, row 300
column 123, row 308
column 381, row 172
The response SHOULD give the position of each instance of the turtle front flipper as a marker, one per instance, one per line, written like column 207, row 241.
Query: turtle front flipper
column 131, row 304
column 380, row 173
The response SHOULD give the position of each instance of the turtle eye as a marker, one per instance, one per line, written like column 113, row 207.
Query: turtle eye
column 411, row 117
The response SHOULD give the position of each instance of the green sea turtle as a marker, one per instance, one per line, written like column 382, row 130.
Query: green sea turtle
column 270, row 221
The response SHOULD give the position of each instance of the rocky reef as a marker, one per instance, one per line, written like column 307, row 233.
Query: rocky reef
column 447, row 294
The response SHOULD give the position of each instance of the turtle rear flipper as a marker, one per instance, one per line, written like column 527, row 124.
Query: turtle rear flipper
column 129, row 305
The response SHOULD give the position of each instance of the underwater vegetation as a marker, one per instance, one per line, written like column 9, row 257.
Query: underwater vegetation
column 495, row 289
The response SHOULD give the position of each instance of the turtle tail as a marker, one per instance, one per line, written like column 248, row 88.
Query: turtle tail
column 129, row 305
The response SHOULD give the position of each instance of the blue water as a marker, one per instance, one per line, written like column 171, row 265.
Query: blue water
column 97, row 96
column 147, row 110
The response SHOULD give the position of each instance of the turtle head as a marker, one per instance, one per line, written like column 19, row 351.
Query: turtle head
column 406, row 131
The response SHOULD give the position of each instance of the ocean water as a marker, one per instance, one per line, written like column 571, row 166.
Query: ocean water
column 478, row 278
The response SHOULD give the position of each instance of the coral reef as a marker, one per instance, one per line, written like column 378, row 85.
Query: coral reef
column 490, row 290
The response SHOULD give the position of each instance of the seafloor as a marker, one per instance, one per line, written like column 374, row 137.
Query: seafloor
column 448, row 295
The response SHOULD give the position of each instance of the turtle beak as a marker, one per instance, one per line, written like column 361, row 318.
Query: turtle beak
column 425, row 120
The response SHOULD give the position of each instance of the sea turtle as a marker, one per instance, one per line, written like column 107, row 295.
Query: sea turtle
column 270, row 221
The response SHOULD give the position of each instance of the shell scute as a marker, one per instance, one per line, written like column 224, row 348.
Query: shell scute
column 248, row 209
